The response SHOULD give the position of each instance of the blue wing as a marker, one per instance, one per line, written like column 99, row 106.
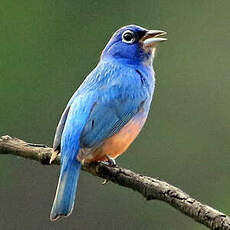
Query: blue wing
column 61, row 124
column 59, row 130
column 84, row 89
column 118, row 94
column 118, row 102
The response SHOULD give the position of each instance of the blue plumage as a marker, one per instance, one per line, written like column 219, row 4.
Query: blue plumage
column 119, row 100
column 114, row 93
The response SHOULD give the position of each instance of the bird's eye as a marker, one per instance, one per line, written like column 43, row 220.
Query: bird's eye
column 128, row 37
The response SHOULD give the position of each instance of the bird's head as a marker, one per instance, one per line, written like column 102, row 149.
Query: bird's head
column 133, row 45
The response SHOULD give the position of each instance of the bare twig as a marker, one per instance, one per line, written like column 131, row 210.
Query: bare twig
column 150, row 188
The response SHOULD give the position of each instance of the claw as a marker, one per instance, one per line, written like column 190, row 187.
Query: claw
column 83, row 161
column 105, row 181
column 111, row 161
column 53, row 156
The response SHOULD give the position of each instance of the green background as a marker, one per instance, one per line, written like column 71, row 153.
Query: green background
column 48, row 47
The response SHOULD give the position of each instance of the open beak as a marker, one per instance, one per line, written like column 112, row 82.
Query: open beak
column 152, row 37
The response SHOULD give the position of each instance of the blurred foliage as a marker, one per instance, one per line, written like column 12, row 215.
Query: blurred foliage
column 48, row 47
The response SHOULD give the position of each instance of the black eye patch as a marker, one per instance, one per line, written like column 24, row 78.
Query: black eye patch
column 140, row 34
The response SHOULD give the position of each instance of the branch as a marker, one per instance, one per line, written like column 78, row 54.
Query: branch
column 150, row 188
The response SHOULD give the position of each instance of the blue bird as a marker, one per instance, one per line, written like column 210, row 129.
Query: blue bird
column 108, row 110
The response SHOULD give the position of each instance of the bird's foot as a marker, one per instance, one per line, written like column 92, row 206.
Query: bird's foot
column 111, row 161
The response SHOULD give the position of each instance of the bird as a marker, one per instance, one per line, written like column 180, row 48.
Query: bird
column 107, row 111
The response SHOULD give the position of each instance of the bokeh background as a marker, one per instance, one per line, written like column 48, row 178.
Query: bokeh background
column 48, row 47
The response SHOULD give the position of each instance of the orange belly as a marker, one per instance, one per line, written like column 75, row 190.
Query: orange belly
column 118, row 143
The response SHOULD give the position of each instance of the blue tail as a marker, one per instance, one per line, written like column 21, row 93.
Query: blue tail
column 66, row 190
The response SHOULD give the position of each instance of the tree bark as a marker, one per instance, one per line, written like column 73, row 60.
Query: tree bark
column 150, row 188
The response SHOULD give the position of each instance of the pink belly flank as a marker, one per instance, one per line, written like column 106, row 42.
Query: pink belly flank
column 118, row 143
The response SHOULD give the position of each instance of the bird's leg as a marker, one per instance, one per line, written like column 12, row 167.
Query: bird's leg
column 111, row 162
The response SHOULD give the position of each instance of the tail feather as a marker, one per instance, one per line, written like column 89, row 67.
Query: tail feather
column 66, row 190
